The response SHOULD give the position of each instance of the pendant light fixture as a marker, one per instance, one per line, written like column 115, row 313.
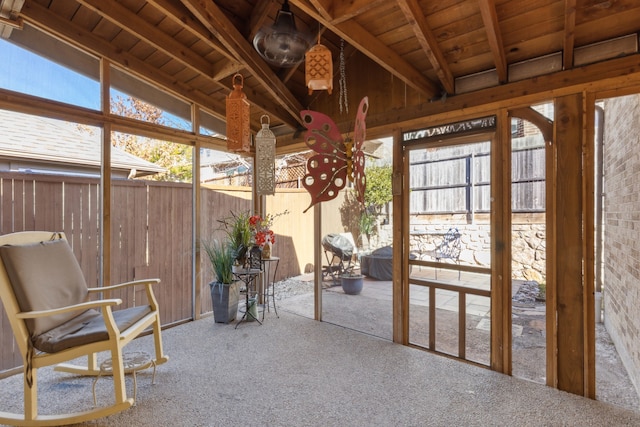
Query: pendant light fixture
column 319, row 68
column 238, row 130
column 282, row 44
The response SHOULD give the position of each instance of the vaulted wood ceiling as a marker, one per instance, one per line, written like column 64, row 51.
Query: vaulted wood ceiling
column 403, row 54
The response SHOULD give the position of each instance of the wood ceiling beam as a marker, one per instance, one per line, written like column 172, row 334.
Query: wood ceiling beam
column 210, row 15
column 569, row 34
column 181, row 16
column 413, row 12
column 122, row 17
column 623, row 74
column 259, row 15
column 324, row 8
column 494, row 36
column 618, row 73
column 368, row 44
column 337, row 11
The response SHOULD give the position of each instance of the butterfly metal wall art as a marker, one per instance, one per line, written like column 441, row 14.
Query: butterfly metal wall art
column 337, row 160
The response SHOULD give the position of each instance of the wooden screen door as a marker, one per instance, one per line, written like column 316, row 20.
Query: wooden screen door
column 449, row 236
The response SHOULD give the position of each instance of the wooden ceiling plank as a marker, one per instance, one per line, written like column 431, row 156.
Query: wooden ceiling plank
column 210, row 15
column 494, row 36
column 123, row 17
column 368, row 44
column 569, row 33
column 428, row 41
column 182, row 17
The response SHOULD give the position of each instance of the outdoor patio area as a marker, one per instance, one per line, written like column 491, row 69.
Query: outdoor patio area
column 295, row 371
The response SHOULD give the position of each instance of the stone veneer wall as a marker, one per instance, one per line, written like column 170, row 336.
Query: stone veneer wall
column 621, row 269
column 528, row 244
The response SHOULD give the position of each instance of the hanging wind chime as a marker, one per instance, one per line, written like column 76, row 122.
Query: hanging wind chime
column 265, row 159
column 343, row 81
column 238, row 130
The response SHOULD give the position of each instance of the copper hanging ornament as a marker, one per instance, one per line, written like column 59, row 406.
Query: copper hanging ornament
column 265, row 159
column 238, row 130
column 319, row 68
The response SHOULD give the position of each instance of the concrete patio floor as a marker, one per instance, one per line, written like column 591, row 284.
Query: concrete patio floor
column 370, row 313
column 293, row 371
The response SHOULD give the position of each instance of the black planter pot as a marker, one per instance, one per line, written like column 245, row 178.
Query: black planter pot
column 224, row 299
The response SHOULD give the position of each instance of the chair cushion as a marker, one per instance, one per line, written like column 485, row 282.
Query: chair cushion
column 86, row 328
column 44, row 275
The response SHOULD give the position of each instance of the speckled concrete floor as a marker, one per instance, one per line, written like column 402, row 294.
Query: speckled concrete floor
column 294, row 371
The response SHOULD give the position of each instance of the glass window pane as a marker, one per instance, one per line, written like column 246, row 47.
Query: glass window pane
column 31, row 74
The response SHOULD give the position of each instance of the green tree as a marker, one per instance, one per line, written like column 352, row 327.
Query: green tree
column 378, row 192
column 175, row 158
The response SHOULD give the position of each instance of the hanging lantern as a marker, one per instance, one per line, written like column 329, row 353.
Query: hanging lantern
column 319, row 68
column 238, row 131
column 265, row 159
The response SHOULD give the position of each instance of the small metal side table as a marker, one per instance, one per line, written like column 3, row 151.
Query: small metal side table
column 132, row 362
column 270, row 267
column 248, row 276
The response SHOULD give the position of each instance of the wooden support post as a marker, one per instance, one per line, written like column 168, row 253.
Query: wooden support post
column 197, row 218
column 568, row 177
column 105, row 175
column 501, row 245
column 400, row 205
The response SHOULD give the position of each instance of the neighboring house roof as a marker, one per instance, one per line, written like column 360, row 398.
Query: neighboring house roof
column 37, row 144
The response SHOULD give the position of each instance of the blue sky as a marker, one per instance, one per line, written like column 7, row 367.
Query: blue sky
column 29, row 73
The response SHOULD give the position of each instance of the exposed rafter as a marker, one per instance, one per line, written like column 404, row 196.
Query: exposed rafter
column 569, row 36
column 216, row 21
column 494, row 36
column 181, row 16
column 427, row 40
column 372, row 47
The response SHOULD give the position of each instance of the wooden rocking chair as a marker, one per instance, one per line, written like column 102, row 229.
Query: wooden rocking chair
column 54, row 320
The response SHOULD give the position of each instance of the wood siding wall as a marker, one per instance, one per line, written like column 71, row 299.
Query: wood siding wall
column 152, row 231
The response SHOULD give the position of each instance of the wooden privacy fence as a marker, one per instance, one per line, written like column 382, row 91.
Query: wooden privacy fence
column 152, row 235
column 456, row 180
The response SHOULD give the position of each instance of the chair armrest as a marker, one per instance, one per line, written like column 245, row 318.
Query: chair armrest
column 125, row 285
column 153, row 303
column 82, row 306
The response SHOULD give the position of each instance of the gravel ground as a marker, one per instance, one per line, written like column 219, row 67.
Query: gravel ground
column 294, row 286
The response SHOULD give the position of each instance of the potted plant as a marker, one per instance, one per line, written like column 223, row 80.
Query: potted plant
column 352, row 282
column 225, row 291
column 239, row 235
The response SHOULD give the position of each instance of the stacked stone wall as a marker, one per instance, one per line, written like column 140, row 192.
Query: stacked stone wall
column 528, row 244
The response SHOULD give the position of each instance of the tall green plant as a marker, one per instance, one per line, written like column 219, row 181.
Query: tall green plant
column 222, row 258
column 238, row 232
